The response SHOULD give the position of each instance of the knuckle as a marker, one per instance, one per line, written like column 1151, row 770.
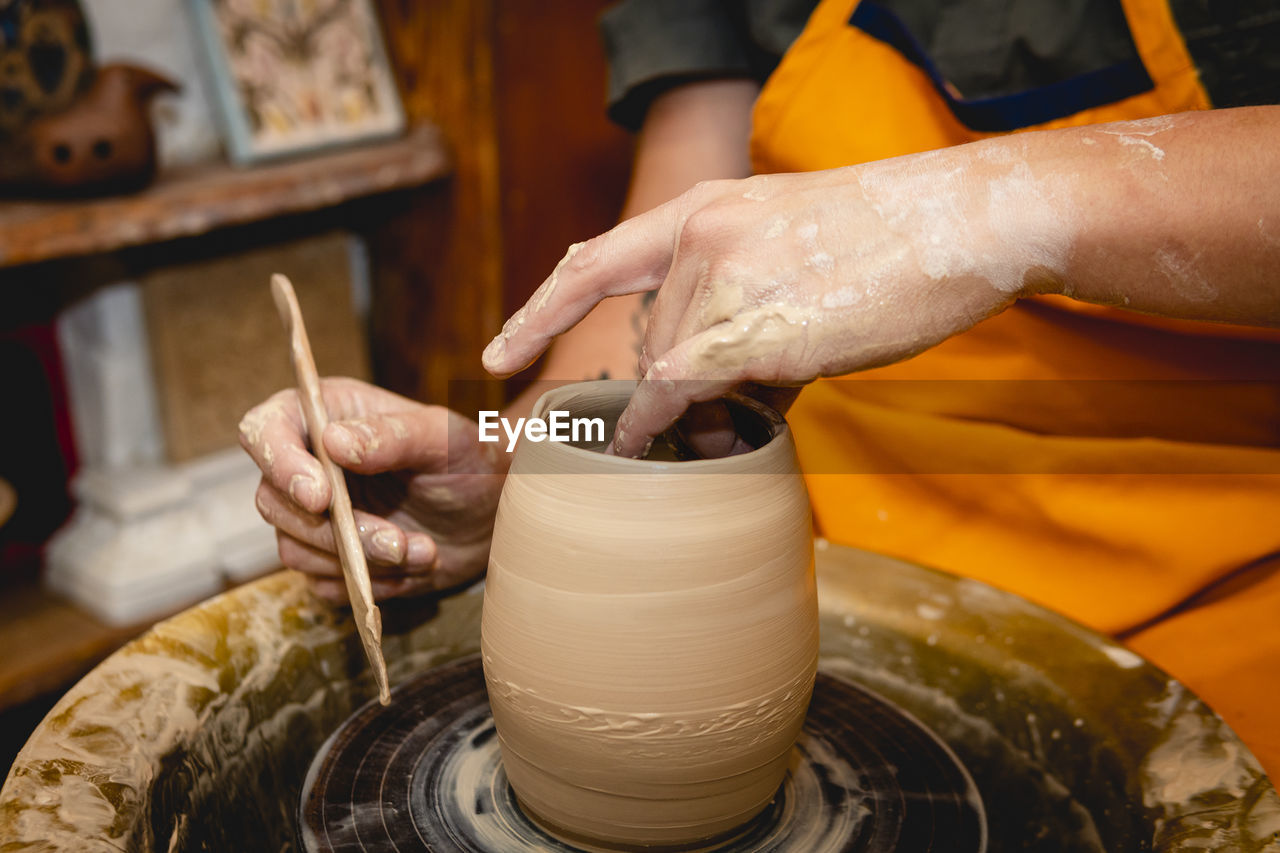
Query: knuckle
column 705, row 190
column 249, row 430
column 582, row 256
column 713, row 230
column 700, row 227
column 262, row 500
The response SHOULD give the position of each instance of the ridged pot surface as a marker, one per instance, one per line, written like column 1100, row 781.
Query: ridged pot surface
column 649, row 632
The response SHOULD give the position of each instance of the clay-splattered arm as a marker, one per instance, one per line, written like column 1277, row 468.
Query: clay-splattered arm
column 780, row 279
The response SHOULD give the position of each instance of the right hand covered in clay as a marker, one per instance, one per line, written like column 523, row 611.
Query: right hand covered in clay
column 425, row 490
column 777, row 280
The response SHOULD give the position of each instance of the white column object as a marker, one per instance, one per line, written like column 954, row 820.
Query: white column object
column 147, row 538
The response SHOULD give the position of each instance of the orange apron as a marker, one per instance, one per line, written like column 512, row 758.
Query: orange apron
column 1146, row 505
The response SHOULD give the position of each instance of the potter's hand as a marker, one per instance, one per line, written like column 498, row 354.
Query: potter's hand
column 777, row 280
column 425, row 490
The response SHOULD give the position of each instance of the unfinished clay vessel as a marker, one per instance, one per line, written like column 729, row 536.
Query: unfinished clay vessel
column 650, row 630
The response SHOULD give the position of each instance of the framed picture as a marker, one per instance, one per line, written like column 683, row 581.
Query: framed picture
column 292, row 76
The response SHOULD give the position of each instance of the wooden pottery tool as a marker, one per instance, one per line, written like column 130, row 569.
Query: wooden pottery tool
column 350, row 552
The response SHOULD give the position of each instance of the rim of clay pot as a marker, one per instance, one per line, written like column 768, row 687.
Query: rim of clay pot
column 757, row 423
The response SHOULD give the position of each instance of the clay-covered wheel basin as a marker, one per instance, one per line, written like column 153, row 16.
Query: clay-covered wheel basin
column 198, row 735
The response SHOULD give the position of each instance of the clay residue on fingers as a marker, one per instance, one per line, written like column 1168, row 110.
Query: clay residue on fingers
column 816, row 257
column 301, row 485
column 255, row 420
column 397, row 426
column 388, row 546
column 497, row 348
column 821, row 261
column 303, row 460
column 494, row 352
column 845, row 297
column 371, row 440
column 513, row 324
column 352, row 449
column 770, row 329
column 548, row 287
column 723, row 302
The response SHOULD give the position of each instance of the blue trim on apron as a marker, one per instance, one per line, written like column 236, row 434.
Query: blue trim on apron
column 1007, row 112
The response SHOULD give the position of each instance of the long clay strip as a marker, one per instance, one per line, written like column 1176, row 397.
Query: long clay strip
column 350, row 552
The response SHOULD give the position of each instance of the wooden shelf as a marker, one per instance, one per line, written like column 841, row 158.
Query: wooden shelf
column 189, row 202
column 48, row 643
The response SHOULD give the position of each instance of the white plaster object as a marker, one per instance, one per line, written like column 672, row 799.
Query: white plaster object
column 104, row 345
column 147, row 538
column 147, row 541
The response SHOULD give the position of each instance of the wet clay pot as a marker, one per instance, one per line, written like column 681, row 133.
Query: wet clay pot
column 650, row 630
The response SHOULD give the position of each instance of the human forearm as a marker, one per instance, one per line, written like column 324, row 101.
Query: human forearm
column 697, row 132
column 1177, row 216
column 783, row 278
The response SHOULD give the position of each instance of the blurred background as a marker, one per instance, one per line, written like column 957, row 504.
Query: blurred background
column 415, row 166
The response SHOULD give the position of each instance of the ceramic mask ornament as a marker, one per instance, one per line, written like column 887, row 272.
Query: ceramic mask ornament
column 102, row 143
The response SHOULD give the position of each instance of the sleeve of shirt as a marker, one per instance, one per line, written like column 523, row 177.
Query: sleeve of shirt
column 652, row 45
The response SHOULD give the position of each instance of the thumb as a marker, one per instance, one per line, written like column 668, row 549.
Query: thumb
column 411, row 440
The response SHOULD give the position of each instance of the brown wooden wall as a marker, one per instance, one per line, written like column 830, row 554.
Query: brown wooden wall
column 518, row 89
column 564, row 165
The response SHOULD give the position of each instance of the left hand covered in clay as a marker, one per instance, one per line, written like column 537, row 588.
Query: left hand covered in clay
column 424, row 489
column 777, row 280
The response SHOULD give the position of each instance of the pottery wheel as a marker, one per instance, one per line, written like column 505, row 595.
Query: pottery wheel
column 424, row 774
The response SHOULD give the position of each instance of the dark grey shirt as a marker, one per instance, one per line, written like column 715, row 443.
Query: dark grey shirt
column 654, row 45
column 983, row 48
